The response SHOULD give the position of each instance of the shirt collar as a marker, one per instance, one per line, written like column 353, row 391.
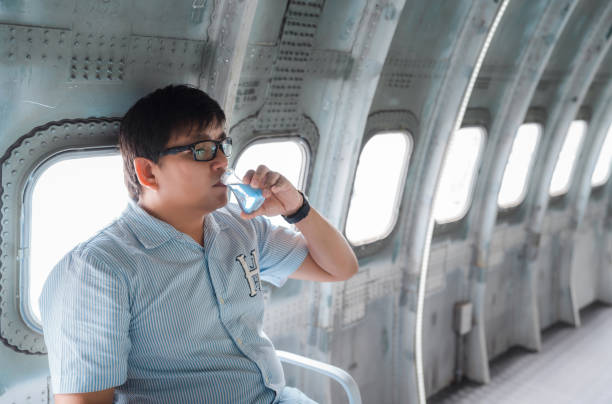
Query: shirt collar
column 153, row 232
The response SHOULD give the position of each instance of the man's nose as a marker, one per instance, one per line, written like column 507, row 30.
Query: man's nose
column 220, row 161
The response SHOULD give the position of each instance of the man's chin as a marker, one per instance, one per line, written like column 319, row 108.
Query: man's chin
column 221, row 201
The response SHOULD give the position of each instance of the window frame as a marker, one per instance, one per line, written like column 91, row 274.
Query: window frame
column 525, row 190
column 303, row 145
column 410, row 143
column 442, row 227
column 556, row 198
column 517, row 214
column 609, row 168
column 23, row 258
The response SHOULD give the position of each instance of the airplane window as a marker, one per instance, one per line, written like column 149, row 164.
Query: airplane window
column 378, row 186
column 288, row 157
column 602, row 168
column 457, row 177
column 513, row 187
column 565, row 164
column 71, row 200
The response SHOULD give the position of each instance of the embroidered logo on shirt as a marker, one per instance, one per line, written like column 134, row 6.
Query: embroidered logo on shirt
column 251, row 273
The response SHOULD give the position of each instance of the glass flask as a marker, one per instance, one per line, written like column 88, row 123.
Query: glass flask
column 250, row 199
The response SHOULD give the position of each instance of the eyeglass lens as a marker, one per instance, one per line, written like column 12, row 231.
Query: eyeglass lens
column 207, row 150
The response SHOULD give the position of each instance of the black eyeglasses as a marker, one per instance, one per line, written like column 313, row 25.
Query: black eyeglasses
column 204, row 150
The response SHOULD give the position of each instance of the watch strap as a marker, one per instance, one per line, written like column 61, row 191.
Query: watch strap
column 301, row 213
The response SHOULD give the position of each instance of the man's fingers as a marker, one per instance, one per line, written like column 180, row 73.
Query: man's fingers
column 270, row 179
column 248, row 176
column 259, row 176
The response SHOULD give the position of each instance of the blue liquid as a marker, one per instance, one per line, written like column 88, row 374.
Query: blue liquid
column 249, row 199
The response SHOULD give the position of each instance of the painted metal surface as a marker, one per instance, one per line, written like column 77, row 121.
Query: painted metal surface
column 334, row 73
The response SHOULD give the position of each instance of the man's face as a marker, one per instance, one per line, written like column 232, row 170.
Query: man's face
column 188, row 184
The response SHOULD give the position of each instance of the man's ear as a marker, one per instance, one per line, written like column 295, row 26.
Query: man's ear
column 145, row 173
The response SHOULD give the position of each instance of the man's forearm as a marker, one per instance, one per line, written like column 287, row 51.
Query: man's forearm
column 327, row 246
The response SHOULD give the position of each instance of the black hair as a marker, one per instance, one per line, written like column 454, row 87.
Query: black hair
column 151, row 123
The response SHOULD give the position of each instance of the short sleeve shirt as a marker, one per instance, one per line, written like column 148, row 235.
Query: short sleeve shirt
column 144, row 308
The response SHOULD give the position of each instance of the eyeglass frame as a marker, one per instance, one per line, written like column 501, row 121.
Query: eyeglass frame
column 218, row 146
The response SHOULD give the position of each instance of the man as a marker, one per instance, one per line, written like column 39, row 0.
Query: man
column 165, row 304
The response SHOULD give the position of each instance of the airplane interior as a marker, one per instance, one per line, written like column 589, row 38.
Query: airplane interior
column 462, row 147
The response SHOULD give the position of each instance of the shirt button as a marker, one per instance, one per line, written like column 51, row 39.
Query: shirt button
column 239, row 341
column 221, row 300
column 267, row 379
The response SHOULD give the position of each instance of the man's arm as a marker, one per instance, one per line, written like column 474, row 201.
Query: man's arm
column 330, row 257
column 96, row 397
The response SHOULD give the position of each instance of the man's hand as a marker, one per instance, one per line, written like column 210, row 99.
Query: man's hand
column 282, row 198
column 330, row 257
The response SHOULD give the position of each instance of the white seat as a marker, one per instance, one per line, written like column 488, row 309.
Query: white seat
column 341, row 376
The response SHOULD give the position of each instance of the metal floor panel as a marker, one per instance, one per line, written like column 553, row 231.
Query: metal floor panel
column 574, row 366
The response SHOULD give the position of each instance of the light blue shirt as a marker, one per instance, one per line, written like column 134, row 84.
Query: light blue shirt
column 143, row 307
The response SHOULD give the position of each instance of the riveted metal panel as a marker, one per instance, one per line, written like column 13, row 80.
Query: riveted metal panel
column 17, row 164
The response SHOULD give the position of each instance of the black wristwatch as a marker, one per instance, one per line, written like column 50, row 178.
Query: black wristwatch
column 301, row 213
